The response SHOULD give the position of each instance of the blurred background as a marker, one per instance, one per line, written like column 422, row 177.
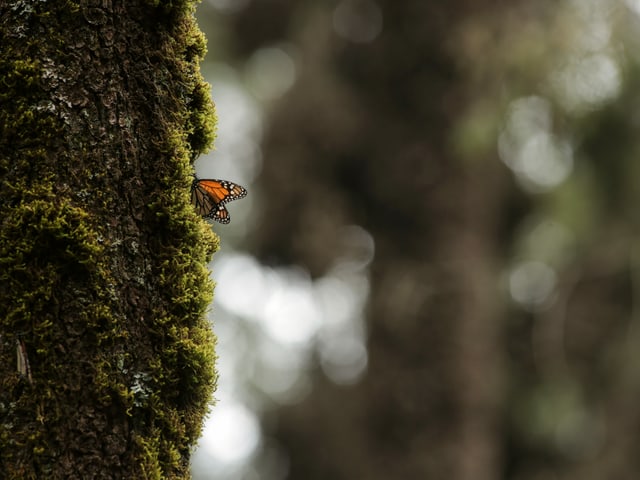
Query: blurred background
column 436, row 272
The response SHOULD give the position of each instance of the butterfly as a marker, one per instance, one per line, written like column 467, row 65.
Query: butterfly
column 209, row 197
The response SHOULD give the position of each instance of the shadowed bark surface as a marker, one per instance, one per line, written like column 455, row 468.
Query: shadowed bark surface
column 103, row 282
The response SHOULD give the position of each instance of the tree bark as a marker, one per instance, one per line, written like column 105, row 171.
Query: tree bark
column 103, row 279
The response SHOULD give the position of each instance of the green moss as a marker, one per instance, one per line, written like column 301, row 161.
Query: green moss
column 103, row 269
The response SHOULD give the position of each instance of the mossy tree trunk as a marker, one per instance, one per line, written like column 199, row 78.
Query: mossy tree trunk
column 103, row 279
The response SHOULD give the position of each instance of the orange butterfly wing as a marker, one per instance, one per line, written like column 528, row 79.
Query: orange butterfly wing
column 209, row 197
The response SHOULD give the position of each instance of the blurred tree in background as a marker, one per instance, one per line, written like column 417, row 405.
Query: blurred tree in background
column 489, row 150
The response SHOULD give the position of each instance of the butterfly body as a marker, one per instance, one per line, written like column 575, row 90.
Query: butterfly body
column 209, row 197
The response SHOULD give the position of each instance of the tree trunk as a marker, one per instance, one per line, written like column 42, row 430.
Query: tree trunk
column 106, row 359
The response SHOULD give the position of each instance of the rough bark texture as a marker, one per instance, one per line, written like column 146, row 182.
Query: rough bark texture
column 103, row 283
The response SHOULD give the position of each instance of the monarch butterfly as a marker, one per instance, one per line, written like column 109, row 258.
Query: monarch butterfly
column 209, row 197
